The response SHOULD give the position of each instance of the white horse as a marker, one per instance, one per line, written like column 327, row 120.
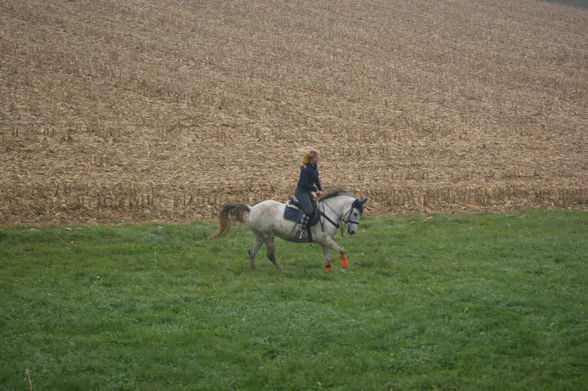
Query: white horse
column 266, row 220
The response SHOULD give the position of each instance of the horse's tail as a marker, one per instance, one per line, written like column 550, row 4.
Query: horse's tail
column 230, row 211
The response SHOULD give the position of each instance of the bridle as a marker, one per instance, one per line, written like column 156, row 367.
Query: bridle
column 348, row 217
column 340, row 218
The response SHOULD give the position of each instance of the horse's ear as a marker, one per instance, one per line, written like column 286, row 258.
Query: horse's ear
column 362, row 203
column 359, row 204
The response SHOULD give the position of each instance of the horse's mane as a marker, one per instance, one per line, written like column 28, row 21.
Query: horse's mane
column 336, row 193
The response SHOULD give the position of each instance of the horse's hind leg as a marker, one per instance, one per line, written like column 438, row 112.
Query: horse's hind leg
column 257, row 243
column 271, row 252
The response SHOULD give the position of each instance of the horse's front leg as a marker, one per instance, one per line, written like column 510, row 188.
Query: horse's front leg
column 330, row 243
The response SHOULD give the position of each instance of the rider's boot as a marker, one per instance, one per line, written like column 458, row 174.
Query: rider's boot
column 302, row 224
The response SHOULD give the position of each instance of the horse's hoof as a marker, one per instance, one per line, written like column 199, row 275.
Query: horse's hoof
column 343, row 270
column 329, row 267
column 344, row 261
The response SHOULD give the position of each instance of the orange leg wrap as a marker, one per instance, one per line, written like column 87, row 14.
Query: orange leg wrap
column 344, row 261
column 329, row 267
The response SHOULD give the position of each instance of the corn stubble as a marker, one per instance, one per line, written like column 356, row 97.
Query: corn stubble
column 117, row 112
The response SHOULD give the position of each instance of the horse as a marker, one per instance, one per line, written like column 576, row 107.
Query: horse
column 267, row 220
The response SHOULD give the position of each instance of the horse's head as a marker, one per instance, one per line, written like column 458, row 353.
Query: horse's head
column 353, row 216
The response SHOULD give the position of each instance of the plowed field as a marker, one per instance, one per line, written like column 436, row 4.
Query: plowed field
column 143, row 110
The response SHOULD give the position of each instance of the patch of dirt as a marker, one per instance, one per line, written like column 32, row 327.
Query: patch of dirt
column 146, row 110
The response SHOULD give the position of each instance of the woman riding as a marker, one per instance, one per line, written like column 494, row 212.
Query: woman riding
column 309, row 182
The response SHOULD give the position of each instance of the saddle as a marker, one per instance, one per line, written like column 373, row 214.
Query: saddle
column 294, row 211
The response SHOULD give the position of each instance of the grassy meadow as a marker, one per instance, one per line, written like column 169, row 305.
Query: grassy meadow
column 453, row 302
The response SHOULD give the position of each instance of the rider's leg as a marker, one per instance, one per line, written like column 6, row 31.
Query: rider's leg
column 305, row 199
column 302, row 225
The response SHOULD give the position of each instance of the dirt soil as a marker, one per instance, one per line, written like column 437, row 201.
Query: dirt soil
column 145, row 110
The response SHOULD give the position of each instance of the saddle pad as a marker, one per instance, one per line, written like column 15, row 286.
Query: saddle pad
column 291, row 214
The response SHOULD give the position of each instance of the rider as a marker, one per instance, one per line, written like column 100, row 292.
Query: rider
column 309, row 182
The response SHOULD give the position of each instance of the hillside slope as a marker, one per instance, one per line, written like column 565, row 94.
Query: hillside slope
column 148, row 110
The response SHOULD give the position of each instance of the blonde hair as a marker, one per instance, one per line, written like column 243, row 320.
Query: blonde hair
column 307, row 153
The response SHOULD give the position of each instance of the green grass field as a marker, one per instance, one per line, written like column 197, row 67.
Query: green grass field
column 449, row 302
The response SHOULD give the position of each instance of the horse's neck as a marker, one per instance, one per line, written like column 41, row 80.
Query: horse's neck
column 336, row 205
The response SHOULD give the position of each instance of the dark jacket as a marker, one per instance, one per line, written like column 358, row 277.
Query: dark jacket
column 309, row 178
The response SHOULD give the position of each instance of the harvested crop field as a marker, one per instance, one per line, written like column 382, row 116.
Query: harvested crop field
column 141, row 110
